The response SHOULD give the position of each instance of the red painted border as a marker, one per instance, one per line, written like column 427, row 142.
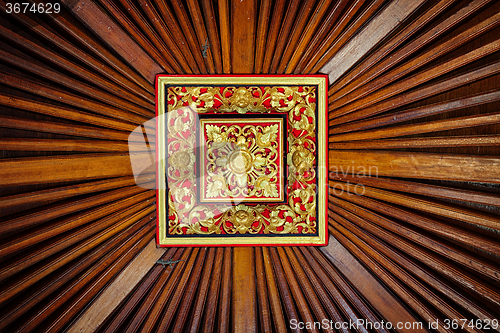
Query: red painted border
column 247, row 75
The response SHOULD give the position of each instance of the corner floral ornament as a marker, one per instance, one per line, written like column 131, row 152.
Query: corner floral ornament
column 244, row 160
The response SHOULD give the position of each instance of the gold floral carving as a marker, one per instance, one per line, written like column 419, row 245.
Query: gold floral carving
column 242, row 161
column 298, row 216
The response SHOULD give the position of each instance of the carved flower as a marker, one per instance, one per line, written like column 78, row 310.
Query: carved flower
column 242, row 218
column 300, row 158
column 183, row 160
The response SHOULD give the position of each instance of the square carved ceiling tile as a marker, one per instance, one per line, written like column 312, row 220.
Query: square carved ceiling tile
column 242, row 160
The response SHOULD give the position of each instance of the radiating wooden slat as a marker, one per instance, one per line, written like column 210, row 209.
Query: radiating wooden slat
column 213, row 33
column 312, row 26
column 330, row 287
column 321, row 292
column 71, row 83
column 147, row 298
column 328, row 22
column 416, row 95
column 201, row 32
column 193, row 265
column 120, row 265
column 71, row 67
column 119, row 41
column 448, row 269
column 274, row 300
column 341, row 23
column 264, row 312
column 155, row 308
column 70, row 145
column 445, row 249
column 433, row 126
column 138, row 72
column 182, row 31
column 59, row 193
column 225, row 297
column 243, row 19
column 261, row 35
column 208, row 323
column 302, row 282
column 179, row 50
column 381, row 25
column 225, row 36
column 174, row 57
column 397, row 286
column 286, row 298
column 352, row 31
column 431, row 142
column 413, row 46
column 422, row 189
column 442, row 209
column 420, row 112
column 417, row 165
column 272, row 35
column 431, row 279
column 426, row 58
column 87, row 59
column 348, row 290
column 433, row 225
column 202, row 292
column 244, row 298
column 416, row 79
column 63, row 112
column 14, row 312
column 65, row 128
column 45, row 249
column 190, row 289
column 64, row 168
column 61, row 95
column 286, row 28
column 375, row 293
column 295, row 35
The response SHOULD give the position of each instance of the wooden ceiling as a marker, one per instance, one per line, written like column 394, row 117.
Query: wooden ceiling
column 413, row 118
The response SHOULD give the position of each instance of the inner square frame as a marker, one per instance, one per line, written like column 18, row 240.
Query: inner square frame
column 244, row 118
column 319, row 238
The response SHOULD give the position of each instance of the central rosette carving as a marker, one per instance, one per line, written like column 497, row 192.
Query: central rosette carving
column 242, row 161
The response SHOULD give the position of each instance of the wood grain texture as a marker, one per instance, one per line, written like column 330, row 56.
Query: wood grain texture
column 413, row 132
column 243, row 22
column 244, row 298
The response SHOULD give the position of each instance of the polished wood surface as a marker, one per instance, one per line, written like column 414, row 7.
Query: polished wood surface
column 414, row 168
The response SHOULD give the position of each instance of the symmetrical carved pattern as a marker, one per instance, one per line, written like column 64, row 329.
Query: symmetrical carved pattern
column 242, row 161
column 298, row 216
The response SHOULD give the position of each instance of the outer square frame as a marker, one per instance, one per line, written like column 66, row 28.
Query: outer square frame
column 321, row 81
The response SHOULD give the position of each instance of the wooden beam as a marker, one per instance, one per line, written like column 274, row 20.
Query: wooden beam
column 244, row 298
column 328, row 51
column 243, row 21
column 380, row 26
column 53, row 169
column 417, row 165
